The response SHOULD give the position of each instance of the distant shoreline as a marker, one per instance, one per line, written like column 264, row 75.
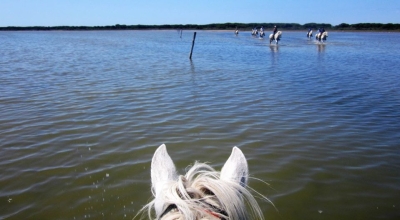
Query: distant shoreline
column 212, row 30
column 373, row 27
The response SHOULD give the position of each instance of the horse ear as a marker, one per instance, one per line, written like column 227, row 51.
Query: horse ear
column 235, row 168
column 162, row 168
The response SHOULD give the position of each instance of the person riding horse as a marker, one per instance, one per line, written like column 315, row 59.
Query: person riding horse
column 275, row 30
column 262, row 34
column 309, row 33
column 321, row 31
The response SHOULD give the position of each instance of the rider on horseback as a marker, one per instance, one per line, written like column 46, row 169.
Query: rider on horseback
column 321, row 31
column 262, row 31
column 275, row 30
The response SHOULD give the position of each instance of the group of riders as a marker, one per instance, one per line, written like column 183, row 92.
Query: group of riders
column 262, row 34
column 319, row 35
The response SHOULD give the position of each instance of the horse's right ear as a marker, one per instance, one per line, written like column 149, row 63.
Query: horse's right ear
column 162, row 169
column 235, row 168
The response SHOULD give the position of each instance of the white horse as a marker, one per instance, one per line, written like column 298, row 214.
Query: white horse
column 323, row 37
column 254, row 32
column 276, row 37
column 309, row 34
column 202, row 193
column 262, row 34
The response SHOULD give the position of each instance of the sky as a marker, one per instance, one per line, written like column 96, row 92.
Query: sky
column 157, row 12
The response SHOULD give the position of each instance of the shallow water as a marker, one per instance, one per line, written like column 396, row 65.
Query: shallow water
column 81, row 114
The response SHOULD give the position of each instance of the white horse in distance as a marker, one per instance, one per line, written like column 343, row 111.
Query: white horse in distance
column 309, row 34
column 262, row 34
column 323, row 37
column 202, row 193
column 276, row 37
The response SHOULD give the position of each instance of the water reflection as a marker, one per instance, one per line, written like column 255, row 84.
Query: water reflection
column 321, row 47
column 274, row 56
column 274, row 48
column 193, row 76
column 192, row 69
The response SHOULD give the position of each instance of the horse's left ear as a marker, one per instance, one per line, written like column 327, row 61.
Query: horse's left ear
column 162, row 169
column 235, row 168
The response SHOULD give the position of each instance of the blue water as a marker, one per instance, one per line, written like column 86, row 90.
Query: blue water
column 81, row 114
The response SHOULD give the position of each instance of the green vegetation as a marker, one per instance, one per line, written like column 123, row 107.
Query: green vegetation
column 369, row 26
column 221, row 26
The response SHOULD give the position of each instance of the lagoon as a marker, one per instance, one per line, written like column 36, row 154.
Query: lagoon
column 82, row 112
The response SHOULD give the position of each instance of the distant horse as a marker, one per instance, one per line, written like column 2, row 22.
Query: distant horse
column 309, row 34
column 276, row 37
column 323, row 37
column 202, row 193
column 262, row 34
column 236, row 31
column 254, row 32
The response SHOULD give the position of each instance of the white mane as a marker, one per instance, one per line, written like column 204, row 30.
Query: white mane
column 202, row 193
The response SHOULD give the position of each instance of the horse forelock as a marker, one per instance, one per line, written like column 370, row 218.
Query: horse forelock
column 201, row 194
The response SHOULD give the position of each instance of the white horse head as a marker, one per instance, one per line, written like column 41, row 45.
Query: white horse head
column 202, row 193
column 276, row 37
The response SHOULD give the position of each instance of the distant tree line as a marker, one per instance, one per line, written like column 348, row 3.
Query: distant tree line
column 219, row 26
column 369, row 26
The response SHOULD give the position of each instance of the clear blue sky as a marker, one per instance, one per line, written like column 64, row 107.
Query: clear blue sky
column 132, row 12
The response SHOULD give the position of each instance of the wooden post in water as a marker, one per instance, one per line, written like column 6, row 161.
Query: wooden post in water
column 191, row 51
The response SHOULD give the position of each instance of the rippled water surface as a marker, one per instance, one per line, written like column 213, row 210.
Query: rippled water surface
column 81, row 114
